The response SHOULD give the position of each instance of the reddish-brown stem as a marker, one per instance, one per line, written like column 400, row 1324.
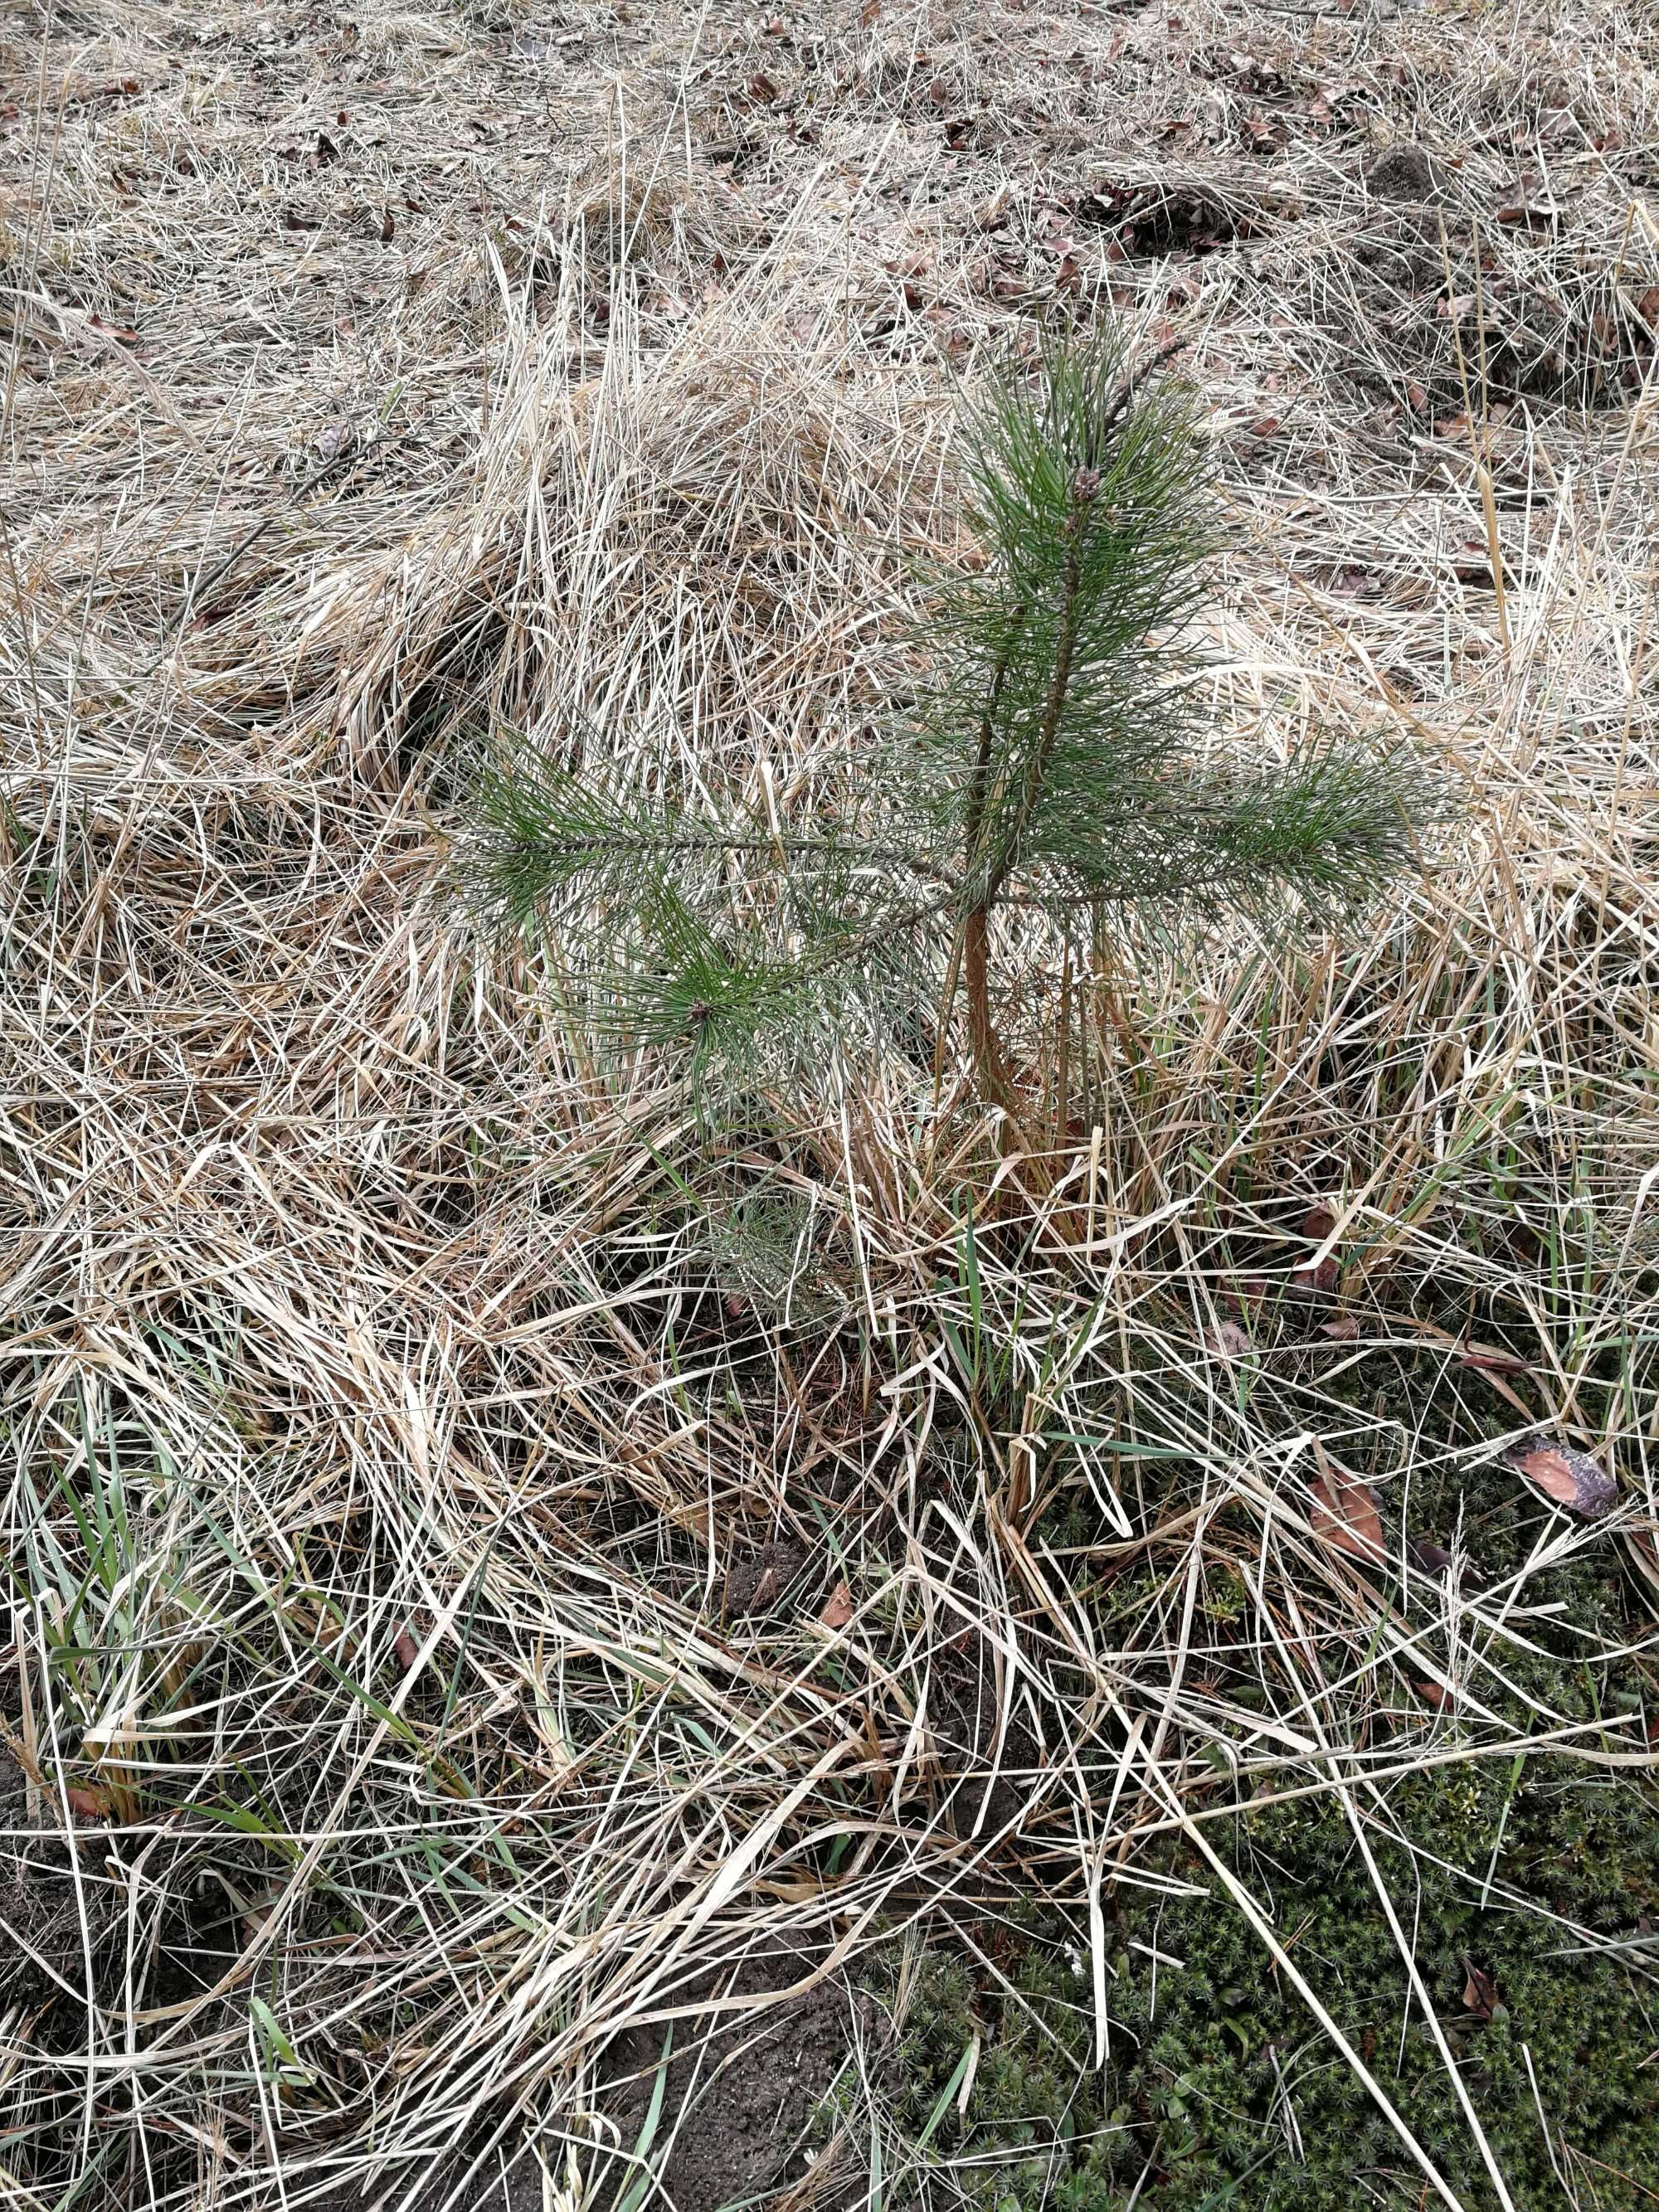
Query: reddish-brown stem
column 989, row 1066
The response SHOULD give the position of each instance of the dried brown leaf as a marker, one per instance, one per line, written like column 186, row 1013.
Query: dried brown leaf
column 1229, row 1340
column 839, row 1610
column 1345, row 1516
column 1569, row 1477
column 1643, row 1544
column 1529, row 214
column 1479, row 1992
column 1493, row 1358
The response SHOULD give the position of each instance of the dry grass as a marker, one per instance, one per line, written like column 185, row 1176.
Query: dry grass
column 388, row 1389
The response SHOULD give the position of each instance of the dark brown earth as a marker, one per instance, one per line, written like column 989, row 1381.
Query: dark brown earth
column 773, row 1580
column 513, row 2184
column 740, row 2095
column 41, row 1944
column 986, row 1791
column 1408, row 174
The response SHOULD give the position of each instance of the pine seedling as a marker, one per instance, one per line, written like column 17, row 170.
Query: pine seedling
column 1056, row 762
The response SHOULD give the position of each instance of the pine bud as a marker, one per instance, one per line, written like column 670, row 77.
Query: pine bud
column 1085, row 485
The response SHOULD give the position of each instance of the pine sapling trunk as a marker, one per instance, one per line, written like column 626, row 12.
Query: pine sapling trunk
column 990, row 1067
column 990, row 1062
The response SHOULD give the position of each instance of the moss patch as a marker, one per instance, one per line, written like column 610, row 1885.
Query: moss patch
column 1220, row 2087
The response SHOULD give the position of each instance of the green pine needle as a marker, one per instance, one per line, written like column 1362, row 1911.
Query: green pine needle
column 1059, row 763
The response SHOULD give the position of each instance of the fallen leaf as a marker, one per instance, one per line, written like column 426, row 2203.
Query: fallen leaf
column 1435, row 1694
column 89, row 1802
column 113, row 330
column 761, row 87
column 1643, row 1544
column 407, row 1649
column 1479, row 1992
column 1472, row 563
column 1493, row 1358
column 1571, row 1477
column 839, row 1610
column 1432, row 1559
column 1529, row 214
column 1228, row 1339
column 1344, row 1329
column 1345, row 1516
column 1318, row 1278
column 1258, row 129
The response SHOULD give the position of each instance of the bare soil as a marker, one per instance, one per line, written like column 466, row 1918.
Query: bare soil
column 511, row 2185
column 773, row 1580
column 42, row 1950
column 742, row 2088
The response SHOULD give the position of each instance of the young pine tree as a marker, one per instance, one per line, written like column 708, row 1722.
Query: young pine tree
column 1054, row 762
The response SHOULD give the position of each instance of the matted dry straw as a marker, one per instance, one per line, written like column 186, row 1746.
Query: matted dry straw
column 390, row 1392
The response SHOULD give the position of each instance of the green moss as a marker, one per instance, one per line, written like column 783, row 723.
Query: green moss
column 1219, row 2086
column 1219, row 2078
